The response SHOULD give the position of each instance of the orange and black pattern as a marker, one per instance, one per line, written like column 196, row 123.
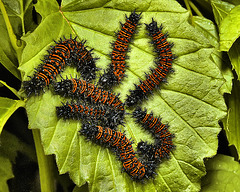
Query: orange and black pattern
column 163, row 138
column 116, row 70
column 79, row 88
column 85, row 63
column 65, row 52
column 164, row 66
column 98, row 114
column 122, row 146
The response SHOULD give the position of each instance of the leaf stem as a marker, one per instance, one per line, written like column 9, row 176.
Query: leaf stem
column 22, row 17
column 44, row 163
column 195, row 9
column 188, row 7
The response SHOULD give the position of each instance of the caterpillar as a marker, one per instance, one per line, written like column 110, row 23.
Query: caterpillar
column 149, row 122
column 155, row 152
column 116, row 70
column 65, row 52
column 79, row 88
column 85, row 63
column 163, row 138
column 96, row 113
column 122, row 146
column 159, row 74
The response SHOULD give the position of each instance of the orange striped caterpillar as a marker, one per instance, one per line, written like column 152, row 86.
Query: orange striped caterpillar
column 120, row 144
column 163, row 138
column 78, row 88
column 98, row 114
column 65, row 52
column 116, row 70
column 159, row 74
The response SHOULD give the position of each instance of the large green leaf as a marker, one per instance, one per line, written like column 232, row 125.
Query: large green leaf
column 220, row 10
column 229, row 29
column 14, row 91
column 20, row 21
column 7, row 108
column 232, row 121
column 191, row 102
column 234, row 55
column 9, row 147
column 7, row 58
column 209, row 30
column 223, row 174
column 21, row 16
column 227, row 18
column 5, row 173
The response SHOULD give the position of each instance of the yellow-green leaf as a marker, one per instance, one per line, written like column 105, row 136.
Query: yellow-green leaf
column 7, row 108
column 223, row 174
column 232, row 121
column 229, row 29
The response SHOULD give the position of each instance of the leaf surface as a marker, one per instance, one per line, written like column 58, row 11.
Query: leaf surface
column 223, row 174
column 229, row 29
column 21, row 21
column 7, row 108
column 209, row 30
column 9, row 147
column 232, row 121
column 5, row 173
column 220, row 10
column 234, row 55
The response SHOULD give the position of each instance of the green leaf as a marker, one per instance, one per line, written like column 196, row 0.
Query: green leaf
column 229, row 29
column 20, row 15
column 7, row 108
column 220, row 10
column 9, row 147
column 234, row 2
column 191, row 102
column 234, row 55
column 232, row 121
column 20, row 21
column 45, row 8
column 223, row 174
column 5, row 173
column 69, row 5
column 7, row 53
column 2, row 83
column 8, row 64
column 209, row 30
